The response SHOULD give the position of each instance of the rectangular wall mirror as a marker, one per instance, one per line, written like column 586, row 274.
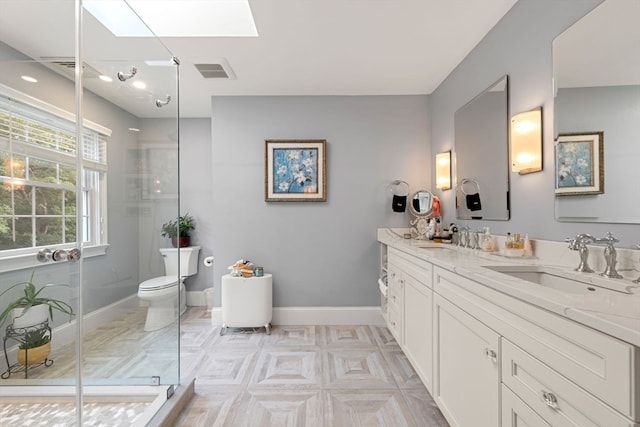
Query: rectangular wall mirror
column 597, row 84
column 481, row 155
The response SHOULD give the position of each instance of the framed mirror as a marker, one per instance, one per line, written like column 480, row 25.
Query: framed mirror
column 482, row 155
column 597, row 92
column 420, row 207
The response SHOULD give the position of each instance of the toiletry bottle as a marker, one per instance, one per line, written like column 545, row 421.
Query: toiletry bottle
column 517, row 243
column 528, row 249
column 508, row 244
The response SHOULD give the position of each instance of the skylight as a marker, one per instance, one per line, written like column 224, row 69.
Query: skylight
column 175, row 18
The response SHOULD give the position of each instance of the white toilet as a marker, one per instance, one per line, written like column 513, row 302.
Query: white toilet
column 161, row 293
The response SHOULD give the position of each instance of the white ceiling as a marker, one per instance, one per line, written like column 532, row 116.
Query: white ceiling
column 305, row 47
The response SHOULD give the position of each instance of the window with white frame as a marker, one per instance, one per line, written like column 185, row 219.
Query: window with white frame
column 39, row 177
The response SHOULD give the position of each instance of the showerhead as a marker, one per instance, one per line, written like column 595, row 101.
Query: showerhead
column 160, row 103
column 124, row 77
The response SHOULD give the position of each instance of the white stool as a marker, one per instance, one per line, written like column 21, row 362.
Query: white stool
column 246, row 302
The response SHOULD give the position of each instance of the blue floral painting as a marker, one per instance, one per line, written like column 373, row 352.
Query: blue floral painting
column 580, row 164
column 295, row 170
column 575, row 164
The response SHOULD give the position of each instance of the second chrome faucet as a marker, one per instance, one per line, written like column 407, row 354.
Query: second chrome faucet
column 580, row 242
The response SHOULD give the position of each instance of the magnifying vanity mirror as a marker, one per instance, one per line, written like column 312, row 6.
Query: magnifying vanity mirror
column 597, row 89
column 481, row 155
column 420, row 206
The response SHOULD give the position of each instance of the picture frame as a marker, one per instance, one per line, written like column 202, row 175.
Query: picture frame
column 579, row 163
column 295, row 171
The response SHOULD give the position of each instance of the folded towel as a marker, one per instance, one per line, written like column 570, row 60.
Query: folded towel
column 473, row 202
column 399, row 203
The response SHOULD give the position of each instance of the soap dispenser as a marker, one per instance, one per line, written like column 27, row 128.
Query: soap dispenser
column 487, row 241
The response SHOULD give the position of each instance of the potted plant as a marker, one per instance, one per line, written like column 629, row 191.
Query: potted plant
column 32, row 308
column 35, row 347
column 179, row 231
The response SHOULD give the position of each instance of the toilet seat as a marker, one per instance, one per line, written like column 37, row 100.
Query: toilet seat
column 158, row 283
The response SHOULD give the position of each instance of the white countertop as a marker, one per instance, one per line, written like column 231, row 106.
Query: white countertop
column 612, row 312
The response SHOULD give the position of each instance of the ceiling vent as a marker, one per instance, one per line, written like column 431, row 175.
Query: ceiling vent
column 67, row 67
column 219, row 70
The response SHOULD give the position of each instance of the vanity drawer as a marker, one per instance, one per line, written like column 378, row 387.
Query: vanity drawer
column 516, row 413
column 553, row 397
column 417, row 268
column 395, row 324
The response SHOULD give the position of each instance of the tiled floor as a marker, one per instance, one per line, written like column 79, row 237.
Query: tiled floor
column 300, row 376
column 313, row 376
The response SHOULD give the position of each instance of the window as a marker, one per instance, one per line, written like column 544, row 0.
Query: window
column 38, row 176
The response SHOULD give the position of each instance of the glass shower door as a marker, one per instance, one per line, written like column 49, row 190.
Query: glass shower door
column 102, row 184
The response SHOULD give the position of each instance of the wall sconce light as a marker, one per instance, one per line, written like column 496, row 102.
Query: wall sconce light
column 526, row 142
column 443, row 170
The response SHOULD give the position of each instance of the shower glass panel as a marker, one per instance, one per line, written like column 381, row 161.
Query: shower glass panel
column 138, row 103
column 110, row 203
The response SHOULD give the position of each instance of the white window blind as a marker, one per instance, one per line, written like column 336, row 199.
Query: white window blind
column 38, row 176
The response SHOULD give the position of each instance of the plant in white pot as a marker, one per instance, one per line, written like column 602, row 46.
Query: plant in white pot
column 179, row 230
column 32, row 308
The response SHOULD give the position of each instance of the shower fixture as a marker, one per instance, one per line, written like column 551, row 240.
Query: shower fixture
column 160, row 103
column 124, row 77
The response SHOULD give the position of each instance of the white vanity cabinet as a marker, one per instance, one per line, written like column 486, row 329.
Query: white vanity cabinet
column 412, row 309
column 467, row 367
column 492, row 360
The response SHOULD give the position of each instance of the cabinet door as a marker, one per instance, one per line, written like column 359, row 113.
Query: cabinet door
column 418, row 328
column 466, row 367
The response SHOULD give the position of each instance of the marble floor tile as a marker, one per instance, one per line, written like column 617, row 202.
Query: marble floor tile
column 308, row 376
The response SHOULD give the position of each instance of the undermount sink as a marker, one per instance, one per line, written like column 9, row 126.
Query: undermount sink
column 427, row 244
column 553, row 278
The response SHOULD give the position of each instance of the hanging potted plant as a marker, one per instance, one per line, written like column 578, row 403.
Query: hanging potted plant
column 35, row 347
column 179, row 231
column 32, row 308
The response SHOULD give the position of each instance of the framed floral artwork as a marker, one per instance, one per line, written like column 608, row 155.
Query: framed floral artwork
column 295, row 171
column 580, row 163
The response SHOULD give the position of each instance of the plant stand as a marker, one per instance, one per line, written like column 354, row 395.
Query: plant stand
column 16, row 335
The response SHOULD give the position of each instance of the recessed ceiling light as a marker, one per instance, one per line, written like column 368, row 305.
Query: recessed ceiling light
column 134, row 129
column 139, row 84
column 175, row 18
column 29, row 79
column 105, row 78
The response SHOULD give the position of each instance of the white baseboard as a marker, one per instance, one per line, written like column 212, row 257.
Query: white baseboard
column 317, row 316
column 195, row 298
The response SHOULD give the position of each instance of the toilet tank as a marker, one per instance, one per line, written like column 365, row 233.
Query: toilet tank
column 188, row 261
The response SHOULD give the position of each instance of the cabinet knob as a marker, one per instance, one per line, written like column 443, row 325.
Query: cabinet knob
column 491, row 354
column 550, row 399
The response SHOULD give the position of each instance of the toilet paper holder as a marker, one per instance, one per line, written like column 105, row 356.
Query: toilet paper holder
column 208, row 261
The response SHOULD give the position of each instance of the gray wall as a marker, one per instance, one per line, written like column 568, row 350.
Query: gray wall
column 113, row 276
column 321, row 254
column 520, row 46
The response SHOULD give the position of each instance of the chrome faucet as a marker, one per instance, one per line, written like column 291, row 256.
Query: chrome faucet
column 610, row 256
column 579, row 243
column 463, row 239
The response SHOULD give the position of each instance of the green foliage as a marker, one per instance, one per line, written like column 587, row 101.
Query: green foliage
column 32, row 297
column 35, row 338
column 183, row 225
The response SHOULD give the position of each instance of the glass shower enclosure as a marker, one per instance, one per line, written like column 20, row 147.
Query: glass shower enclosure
column 88, row 173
